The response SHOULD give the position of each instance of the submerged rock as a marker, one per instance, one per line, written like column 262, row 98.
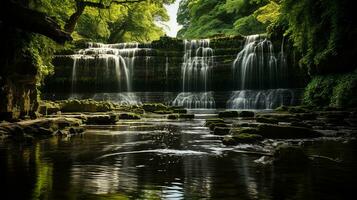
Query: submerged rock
column 289, row 156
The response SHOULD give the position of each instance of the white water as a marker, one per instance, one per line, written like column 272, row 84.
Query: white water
column 118, row 59
column 198, row 62
column 258, row 73
column 256, row 66
column 261, row 99
column 195, row 100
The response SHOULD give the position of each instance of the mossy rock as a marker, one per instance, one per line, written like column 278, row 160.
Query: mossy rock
column 286, row 132
column 180, row 111
column 227, row 114
column 75, row 130
column 213, row 120
column 86, row 105
column 48, row 107
column 217, row 124
column 129, row 116
column 229, row 140
column 282, row 108
column 243, row 130
column 268, row 120
column 101, row 119
column 163, row 112
column 221, row 130
column 173, row 116
column 246, row 113
column 247, row 138
column 186, row 116
column 152, row 107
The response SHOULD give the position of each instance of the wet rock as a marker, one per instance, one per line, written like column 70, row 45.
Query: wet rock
column 48, row 107
column 286, row 132
column 213, row 120
column 221, row 131
column 163, row 112
column 212, row 126
column 75, row 130
column 306, row 116
column 129, row 116
column 180, row 111
column 241, row 130
column 289, row 156
column 86, row 105
column 267, row 120
column 228, row 140
column 173, row 116
column 152, row 107
column 247, row 138
column 227, row 114
column 186, row 116
column 245, row 113
column 101, row 119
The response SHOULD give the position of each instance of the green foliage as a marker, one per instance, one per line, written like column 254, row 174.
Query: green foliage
column 322, row 31
column 332, row 90
column 208, row 18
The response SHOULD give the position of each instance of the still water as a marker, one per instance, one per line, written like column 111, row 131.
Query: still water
column 163, row 159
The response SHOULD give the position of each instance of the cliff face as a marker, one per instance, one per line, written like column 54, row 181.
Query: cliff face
column 155, row 67
column 18, row 75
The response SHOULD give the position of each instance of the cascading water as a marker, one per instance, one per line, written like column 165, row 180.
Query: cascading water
column 259, row 75
column 118, row 60
column 196, row 75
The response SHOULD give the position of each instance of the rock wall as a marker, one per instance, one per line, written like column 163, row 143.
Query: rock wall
column 18, row 93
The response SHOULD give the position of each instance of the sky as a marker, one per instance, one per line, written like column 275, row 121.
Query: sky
column 173, row 27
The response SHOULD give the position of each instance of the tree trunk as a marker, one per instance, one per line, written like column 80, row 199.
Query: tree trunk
column 72, row 21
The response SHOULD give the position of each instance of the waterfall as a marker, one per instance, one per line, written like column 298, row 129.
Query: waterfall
column 256, row 65
column 259, row 74
column 118, row 61
column 198, row 61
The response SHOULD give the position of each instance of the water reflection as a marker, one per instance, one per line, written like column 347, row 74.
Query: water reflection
column 170, row 160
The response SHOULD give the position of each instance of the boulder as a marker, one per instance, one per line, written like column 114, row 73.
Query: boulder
column 227, row 114
column 217, row 124
column 245, row 113
column 180, row 111
column 152, row 107
column 173, row 116
column 129, row 116
column 101, row 119
column 228, row 140
column 213, row 120
column 286, row 132
column 267, row 120
column 221, row 131
column 247, row 138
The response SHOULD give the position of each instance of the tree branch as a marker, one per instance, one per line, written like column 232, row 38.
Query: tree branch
column 81, row 5
column 15, row 15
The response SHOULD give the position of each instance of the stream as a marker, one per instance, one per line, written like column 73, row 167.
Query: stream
column 167, row 159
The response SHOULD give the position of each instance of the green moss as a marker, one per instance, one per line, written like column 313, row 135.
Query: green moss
column 247, row 138
column 152, row 107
